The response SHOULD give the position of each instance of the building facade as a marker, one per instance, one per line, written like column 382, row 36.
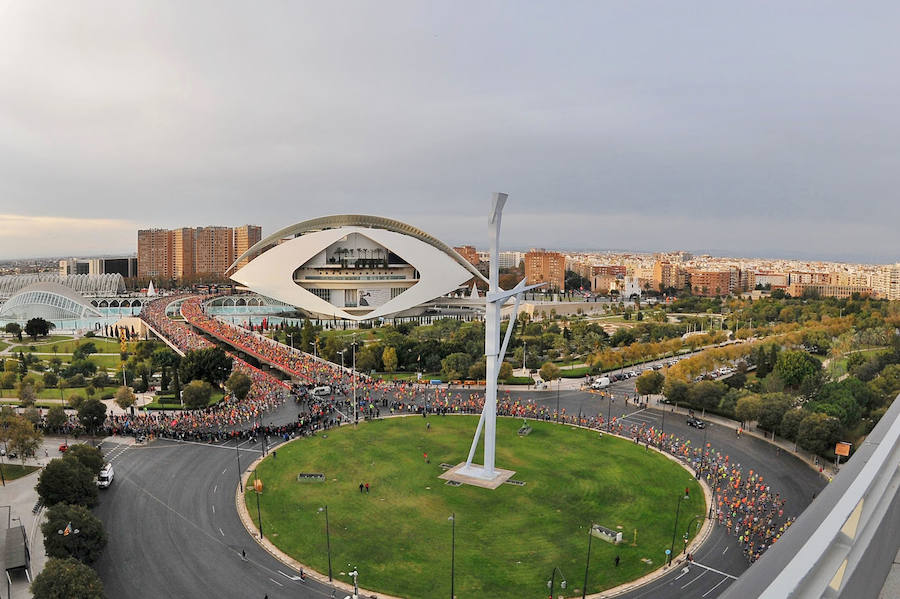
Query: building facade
column 542, row 266
column 245, row 237
column 187, row 252
column 155, row 254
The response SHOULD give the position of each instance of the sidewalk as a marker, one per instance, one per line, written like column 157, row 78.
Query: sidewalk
column 20, row 496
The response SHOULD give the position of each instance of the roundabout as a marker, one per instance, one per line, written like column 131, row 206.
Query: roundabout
column 399, row 537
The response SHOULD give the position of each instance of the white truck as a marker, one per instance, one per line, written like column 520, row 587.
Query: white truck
column 105, row 478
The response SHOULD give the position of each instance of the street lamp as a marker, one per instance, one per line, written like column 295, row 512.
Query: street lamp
column 687, row 531
column 341, row 352
column 452, row 519
column 258, row 487
column 355, row 575
column 587, row 563
column 552, row 582
column 327, row 538
column 237, row 454
column 675, row 530
column 291, row 337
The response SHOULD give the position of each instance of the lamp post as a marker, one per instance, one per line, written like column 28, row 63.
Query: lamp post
column 237, row 454
column 341, row 352
column 355, row 575
column 687, row 532
column 353, row 375
column 327, row 538
column 452, row 519
column 258, row 486
column 587, row 563
column 675, row 529
column 552, row 582
column 291, row 337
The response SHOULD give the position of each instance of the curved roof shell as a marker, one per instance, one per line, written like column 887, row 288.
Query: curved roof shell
column 108, row 284
column 439, row 269
column 47, row 300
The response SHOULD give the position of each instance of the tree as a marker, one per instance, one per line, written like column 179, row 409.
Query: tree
column 549, row 371
column 91, row 414
column 307, row 336
column 793, row 367
column 67, row 481
column 650, row 383
column 239, row 384
column 21, row 436
column 389, row 358
column 56, row 417
column 26, row 394
column 211, row 365
column 67, row 579
column 50, row 379
column 456, row 365
column 790, row 423
column 478, row 370
column 38, row 327
column 506, row 370
column 124, row 397
column 88, row 455
column 196, row 394
column 747, row 409
column 706, row 395
column 818, row 432
column 675, row 390
column 7, row 379
column 13, row 328
column 86, row 545
column 772, row 408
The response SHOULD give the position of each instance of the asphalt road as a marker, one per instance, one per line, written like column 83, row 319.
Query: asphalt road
column 174, row 531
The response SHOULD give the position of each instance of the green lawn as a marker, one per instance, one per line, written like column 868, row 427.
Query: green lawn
column 67, row 345
column 3, row 345
column 507, row 540
column 14, row 471
column 406, row 376
column 575, row 373
column 53, row 392
column 167, row 402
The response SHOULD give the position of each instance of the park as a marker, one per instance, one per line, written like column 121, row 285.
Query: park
column 398, row 534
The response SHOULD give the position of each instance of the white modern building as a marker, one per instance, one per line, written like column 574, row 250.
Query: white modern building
column 353, row 267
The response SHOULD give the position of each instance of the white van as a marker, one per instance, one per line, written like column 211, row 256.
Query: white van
column 600, row 383
column 106, row 476
column 323, row 390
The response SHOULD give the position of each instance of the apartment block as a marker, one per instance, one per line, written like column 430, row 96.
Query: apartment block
column 245, row 237
column 542, row 266
column 667, row 275
column 469, row 253
column 155, row 254
column 187, row 252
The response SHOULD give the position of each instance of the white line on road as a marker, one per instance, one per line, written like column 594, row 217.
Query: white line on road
column 683, row 572
column 726, row 549
column 214, row 509
column 221, row 532
column 213, row 445
column 216, row 488
column 225, row 470
column 289, row 577
column 714, row 588
column 693, row 580
column 276, row 582
column 716, row 571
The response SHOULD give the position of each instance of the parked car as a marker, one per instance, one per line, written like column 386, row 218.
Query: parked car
column 63, row 448
column 322, row 390
column 600, row 383
column 696, row 423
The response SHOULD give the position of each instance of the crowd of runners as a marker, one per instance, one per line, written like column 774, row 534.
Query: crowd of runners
column 743, row 503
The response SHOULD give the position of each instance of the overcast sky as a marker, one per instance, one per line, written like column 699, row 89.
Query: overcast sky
column 753, row 128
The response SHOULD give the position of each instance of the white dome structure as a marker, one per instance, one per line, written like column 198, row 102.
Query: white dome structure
column 353, row 267
column 47, row 300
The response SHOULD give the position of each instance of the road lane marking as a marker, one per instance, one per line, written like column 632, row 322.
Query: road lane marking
column 716, row 571
column 215, row 489
column 214, row 509
column 276, row 582
column 726, row 549
column 714, row 588
column 693, row 580
column 225, row 470
column 683, row 572
column 221, row 532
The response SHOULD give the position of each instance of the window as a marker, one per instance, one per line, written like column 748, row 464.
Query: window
column 325, row 294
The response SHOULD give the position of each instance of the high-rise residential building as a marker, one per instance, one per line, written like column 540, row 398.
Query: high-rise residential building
column 155, row 254
column 820, row 290
column 886, row 282
column 213, row 250
column 542, row 266
column 510, row 259
column 469, row 253
column 711, row 283
column 610, row 269
column 245, row 237
column 667, row 275
column 187, row 252
column 183, row 252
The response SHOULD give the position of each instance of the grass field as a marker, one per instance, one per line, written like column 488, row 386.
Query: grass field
column 507, row 540
column 14, row 471
column 66, row 345
column 167, row 402
column 53, row 392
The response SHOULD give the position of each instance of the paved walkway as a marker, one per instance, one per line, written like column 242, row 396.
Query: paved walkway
column 20, row 496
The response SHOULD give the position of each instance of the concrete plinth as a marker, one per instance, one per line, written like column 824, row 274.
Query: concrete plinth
column 475, row 475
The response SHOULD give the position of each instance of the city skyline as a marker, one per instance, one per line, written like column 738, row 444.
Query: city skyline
column 638, row 127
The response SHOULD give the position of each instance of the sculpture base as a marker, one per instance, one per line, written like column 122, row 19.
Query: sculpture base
column 477, row 476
